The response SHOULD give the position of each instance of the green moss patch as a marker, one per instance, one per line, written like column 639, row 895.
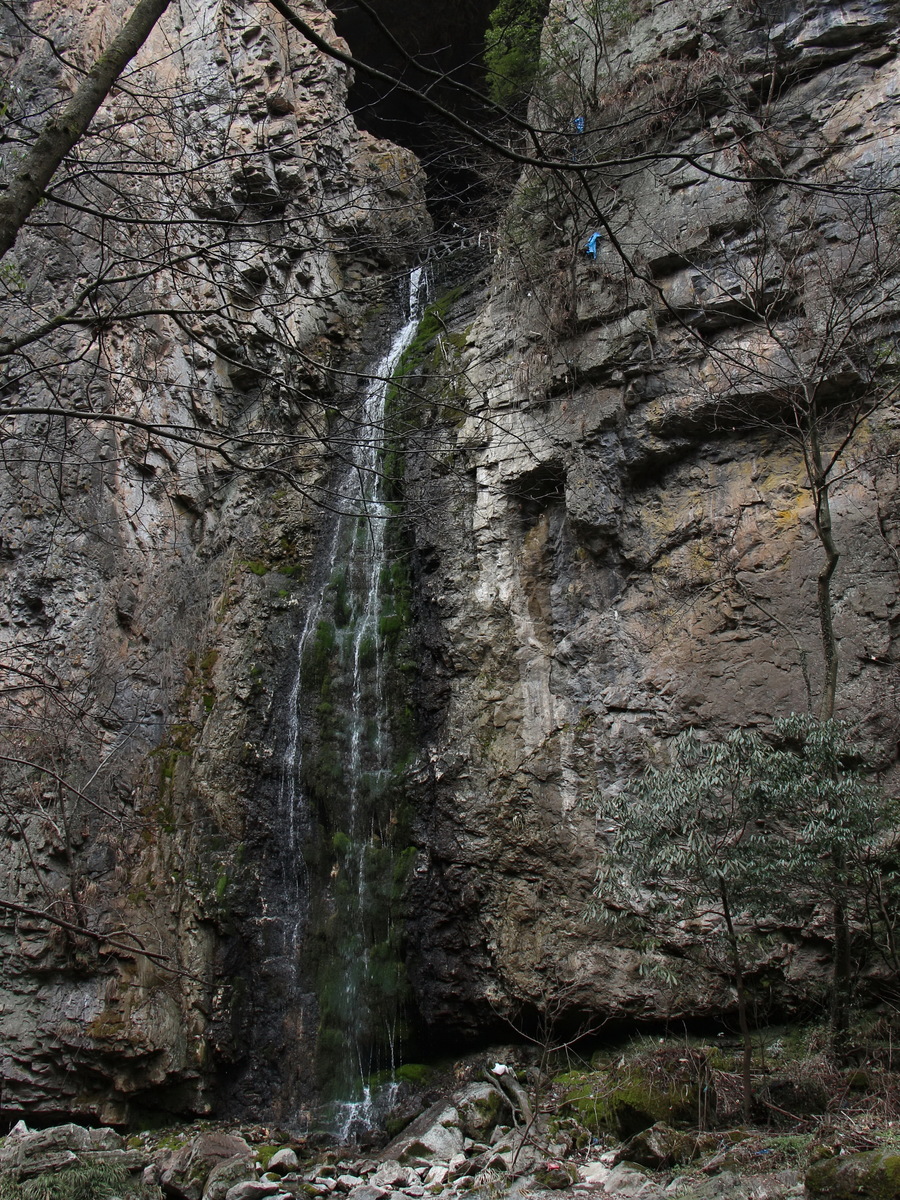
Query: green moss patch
column 874, row 1175
column 626, row 1101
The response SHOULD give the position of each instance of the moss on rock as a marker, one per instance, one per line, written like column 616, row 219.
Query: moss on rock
column 626, row 1103
column 874, row 1174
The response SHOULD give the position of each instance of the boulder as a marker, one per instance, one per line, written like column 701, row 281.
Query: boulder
column 106, row 1139
column 874, row 1174
column 225, row 1175
column 436, row 1134
column 252, row 1189
column 594, row 1172
column 366, row 1191
column 347, row 1182
column 627, row 1181
column 58, row 1137
column 480, row 1106
column 392, row 1175
column 183, row 1173
column 283, row 1161
column 54, row 1147
column 50, row 1161
column 660, row 1146
column 555, row 1174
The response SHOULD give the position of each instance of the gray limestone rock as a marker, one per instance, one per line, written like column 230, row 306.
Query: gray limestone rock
column 435, row 1134
column 225, row 1174
column 367, row 1191
column 391, row 1175
column 184, row 1173
column 252, row 1189
column 283, row 1161
column 629, row 1183
column 479, row 1106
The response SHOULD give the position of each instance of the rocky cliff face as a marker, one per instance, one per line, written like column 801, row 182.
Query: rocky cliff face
column 153, row 587
column 634, row 550
column 611, row 540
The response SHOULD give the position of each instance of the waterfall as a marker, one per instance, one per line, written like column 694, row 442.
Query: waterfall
column 348, row 739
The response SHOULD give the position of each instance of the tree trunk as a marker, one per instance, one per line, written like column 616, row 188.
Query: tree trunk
column 743, row 1022
column 61, row 133
column 820, row 487
column 824, row 604
column 841, row 981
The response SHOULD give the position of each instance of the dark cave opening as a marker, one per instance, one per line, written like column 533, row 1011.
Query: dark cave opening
column 448, row 38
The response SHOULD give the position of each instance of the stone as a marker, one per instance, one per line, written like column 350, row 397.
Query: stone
column 364, row 1166
column 594, row 1172
column 183, row 1173
column 283, row 1161
column 105, row 1139
column 626, row 1181
column 660, row 1146
column 57, row 1137
column 367, row 1191
column 252, row 1189
column 435, row 1134
column 50, row 1161
column 346, row 1182
column 872, row 1175
column 555, row 1175
column 128, row 1160
column 391, row 1175
column 225, row 1174
column 479, row 1106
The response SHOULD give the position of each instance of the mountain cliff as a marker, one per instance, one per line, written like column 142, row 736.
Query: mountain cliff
column 610, row 528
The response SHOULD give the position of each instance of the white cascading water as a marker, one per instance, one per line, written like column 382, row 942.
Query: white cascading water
column 356, row 567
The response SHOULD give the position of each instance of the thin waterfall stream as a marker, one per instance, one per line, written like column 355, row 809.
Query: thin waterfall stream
column 343, row 770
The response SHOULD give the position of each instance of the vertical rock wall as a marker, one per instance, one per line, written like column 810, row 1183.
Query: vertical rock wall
column 629, row 548
column 152, row 588
column 613, row 537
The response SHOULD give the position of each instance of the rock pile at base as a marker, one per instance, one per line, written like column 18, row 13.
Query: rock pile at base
column 461, row 1146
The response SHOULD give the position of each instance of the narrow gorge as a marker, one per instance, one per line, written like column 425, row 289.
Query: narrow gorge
column 388, row 479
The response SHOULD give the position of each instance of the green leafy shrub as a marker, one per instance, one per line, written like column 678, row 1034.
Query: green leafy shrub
column 513, row 49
